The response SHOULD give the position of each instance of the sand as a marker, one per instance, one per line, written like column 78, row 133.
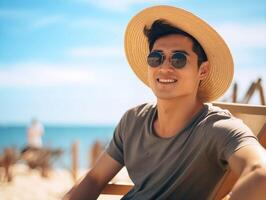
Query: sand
column 29, row 185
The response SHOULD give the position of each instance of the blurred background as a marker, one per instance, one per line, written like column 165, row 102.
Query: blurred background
column 62, row 62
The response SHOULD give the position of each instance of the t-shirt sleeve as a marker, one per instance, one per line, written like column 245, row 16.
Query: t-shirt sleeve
column 231, row 135
column 115, row 147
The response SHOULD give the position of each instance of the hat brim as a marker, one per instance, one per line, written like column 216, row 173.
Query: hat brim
column 221, row 63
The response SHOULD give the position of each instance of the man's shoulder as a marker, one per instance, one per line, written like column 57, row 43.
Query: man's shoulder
column 216, row 114
column 223, row 121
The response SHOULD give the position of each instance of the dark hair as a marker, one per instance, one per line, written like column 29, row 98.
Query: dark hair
column 161, row 28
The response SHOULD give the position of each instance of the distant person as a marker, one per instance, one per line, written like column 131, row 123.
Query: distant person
column 34, row 154
column 33, row 151
column 34, row 134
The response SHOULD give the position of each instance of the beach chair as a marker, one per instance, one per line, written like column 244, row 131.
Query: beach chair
column 253, row 116
column 40, row 158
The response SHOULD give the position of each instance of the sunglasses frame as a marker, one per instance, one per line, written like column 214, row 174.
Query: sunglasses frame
column 163, row 58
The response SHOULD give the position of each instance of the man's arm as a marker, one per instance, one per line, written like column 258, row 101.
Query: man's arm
column 249, row 163
column 96, row 179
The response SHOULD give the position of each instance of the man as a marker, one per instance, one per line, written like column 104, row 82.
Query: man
column 180, row 147
column 35, row 133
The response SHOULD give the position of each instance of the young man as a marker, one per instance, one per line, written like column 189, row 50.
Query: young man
column 180, row 147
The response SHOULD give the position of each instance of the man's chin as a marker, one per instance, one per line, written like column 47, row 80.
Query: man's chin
column 171, row 97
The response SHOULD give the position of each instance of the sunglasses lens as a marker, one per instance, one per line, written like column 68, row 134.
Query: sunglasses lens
column 179, row 60
column 154, row 59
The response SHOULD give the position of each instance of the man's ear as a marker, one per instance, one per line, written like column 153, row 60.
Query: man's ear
column 204, row 70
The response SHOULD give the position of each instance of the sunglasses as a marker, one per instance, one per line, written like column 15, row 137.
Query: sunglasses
column 178, row 59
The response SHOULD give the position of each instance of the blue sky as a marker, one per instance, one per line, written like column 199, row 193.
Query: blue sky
column 62, row 61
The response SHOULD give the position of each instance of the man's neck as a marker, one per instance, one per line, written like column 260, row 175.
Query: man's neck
column 173, row 115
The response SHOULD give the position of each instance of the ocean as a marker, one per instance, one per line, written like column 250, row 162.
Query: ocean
column 61, row 137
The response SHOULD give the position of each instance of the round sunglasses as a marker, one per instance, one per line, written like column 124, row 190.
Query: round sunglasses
column 178, row 59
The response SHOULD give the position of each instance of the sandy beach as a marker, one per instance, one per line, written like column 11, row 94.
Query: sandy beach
column 29, row 185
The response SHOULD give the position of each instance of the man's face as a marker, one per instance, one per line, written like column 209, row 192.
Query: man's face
column 168, row 82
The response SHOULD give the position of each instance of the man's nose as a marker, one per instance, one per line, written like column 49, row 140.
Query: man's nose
column 166, row 66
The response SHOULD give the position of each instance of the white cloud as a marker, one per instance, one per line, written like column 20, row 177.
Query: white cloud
column 47, row 21
column 15, row 13
column 97, row 52
column 32, row 19
column 88, row 74
column 37, row 74
column 244, row 35
column 96, row 25
column 113, row 89
column 120, row 5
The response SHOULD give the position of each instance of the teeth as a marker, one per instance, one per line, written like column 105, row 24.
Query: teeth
column 166, row 80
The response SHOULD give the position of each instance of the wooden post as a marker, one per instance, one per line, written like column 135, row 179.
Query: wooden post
column 249, row 93
column 234, row 97
column 95, row 152
column 8, row 160
column 74, row 164
column 262, row 98
column 255, row 86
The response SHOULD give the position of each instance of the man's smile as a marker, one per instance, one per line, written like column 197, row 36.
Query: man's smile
column 166, row 80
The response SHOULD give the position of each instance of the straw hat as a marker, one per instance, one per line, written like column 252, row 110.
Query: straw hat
column 219, row 56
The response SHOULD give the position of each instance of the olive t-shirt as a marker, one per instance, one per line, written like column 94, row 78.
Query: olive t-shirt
column 186, row 166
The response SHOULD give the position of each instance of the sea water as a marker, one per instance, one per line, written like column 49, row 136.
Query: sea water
column 59, row 137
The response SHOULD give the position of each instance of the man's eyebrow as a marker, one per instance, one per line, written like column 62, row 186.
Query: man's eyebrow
column 157, row 50
column 180, row 51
